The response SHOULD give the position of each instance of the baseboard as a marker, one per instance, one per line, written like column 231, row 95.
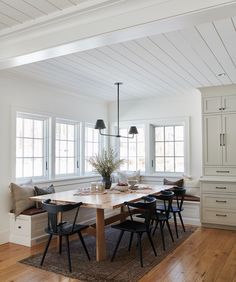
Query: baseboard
column 4, row 237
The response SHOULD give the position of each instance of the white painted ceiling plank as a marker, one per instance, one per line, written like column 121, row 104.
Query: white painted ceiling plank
column 24, row 7
column 198, row 44
column 213, row 40
column 13, row 13
column 93, row 70
column 161, row 69
column 165, row 58
column 227, row 33
column 61, row 4
column 143, row 75
column 121, row 70
column 7, row 20
column 43, row 5
column 163, row 42
column 189, row 53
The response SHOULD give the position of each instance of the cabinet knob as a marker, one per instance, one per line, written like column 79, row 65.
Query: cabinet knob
column 19, row 227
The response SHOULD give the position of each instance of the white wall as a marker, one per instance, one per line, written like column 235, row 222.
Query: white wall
column 181, row 106
column 19, row 92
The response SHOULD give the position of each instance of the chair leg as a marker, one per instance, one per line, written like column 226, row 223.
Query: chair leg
column 68, row 252
column 46, row 249
column 171, row 235
column 130, row 241
column 155, row 227
column 181, row 219
column 176, row 228
column 150, row 239
column 140, row 248
column 83, row 243
column 162, row 235
column 60, row 244
column 117, row 244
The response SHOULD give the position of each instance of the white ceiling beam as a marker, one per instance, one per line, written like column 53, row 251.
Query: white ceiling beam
column 122, row 21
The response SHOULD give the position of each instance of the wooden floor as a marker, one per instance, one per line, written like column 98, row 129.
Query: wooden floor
column 208, row 255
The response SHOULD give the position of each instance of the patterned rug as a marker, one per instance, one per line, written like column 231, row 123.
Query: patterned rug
column 126, row 265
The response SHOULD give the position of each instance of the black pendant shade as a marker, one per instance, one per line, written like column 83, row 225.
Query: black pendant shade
column 101, row 125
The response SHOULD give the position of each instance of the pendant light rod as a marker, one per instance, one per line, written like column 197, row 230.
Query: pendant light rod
column 100, row 125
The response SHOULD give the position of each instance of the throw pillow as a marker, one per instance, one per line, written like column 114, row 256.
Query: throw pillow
column 43, row 191
column 192, row 187
column 20, row 198
column 178, row 183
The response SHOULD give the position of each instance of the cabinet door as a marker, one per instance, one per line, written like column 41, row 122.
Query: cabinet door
column 229, row 103
column 212, row 105
column 212, row 141
column 229, row 139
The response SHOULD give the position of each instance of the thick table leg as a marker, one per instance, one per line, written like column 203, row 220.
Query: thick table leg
column 100, row 236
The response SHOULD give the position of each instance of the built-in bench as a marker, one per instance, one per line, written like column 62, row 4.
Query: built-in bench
column 28, row 228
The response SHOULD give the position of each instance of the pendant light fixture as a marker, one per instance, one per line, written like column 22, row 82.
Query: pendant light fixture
column 100, row 125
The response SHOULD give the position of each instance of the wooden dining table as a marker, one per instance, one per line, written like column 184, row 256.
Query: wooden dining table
column 110, row 199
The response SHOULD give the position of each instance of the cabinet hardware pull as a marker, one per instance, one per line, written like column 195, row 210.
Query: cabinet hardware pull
column 223, row 144
column 218, row 187
column 19, row 227
column 220, row 109
column 223, row 215
column 220, row 139
column 218, row 201
column 223, row 108
column 223, row 171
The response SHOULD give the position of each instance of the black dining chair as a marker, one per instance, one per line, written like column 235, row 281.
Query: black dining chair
column 146, row 208
column 162, row 215
column 177, row 207
column 62, row 229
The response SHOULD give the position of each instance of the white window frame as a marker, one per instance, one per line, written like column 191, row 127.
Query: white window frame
column 101, row 144
column 76, row 148
column 126, row 125
column 184, row 121
column 46, row 168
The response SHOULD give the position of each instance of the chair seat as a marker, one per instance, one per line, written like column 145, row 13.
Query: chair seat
column 66, row 229
column 176, row 209
column 131, row 226
column 162, row 216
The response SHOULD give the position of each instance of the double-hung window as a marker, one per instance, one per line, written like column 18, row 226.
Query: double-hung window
column 92, row 145
column 31, row 146
column 66, row 151
column 169, row 149
column 132, row 150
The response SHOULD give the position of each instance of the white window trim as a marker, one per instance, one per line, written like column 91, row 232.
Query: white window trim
column 19, row 112
column 185, row 121
column 77, row 148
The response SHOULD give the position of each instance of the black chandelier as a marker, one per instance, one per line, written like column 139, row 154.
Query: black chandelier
column 101, row 125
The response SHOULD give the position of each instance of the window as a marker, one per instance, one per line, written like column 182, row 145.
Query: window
column 66, row 148
column 31, row 146
column 169, row 148
column 133, row 150
column 92, row 145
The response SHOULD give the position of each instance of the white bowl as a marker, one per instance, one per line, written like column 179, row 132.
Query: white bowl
column 132, row 182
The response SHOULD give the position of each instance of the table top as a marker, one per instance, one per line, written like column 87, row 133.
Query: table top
column 108, row 199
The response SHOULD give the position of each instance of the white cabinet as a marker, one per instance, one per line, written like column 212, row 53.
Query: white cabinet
column 219, row 104
column 218, row 202
column 219, row 144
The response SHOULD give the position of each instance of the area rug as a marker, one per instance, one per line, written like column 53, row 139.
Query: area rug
column 126, row 265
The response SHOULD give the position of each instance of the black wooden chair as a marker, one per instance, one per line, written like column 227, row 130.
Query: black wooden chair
column 177, row 208
column 162, row 214
column 63, row 229
column 146, row 208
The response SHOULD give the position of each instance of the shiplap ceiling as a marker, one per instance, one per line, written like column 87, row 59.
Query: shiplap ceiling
column 159, row 66
column 15, row 13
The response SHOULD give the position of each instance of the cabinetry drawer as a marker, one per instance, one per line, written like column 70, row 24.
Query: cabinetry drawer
column 219, row 188
column 21, row 227
column 219, row 217
column 224, row 202
column 220, row 171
